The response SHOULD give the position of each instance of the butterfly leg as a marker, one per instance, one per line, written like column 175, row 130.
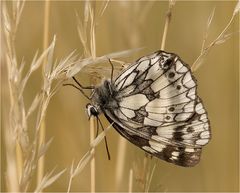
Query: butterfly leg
column 105, row 138
column 97, row 128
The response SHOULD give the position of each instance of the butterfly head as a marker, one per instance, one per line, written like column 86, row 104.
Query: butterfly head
column 92, row 110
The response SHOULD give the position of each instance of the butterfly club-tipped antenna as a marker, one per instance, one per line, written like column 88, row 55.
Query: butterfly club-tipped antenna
column 112, row 69
column 80, row 88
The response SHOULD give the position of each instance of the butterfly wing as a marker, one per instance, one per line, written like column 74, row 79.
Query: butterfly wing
column 180, row 144
column 159, row 110
column 161, row 86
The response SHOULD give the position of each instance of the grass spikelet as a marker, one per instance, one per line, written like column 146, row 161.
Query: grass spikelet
column 221, row 38
column 23, row 152
column 47, row 180
column 207, row 29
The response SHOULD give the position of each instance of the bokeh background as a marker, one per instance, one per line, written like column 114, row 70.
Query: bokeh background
column 126, row 25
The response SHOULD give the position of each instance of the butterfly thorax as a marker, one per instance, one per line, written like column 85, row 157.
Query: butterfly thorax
column 104, row 96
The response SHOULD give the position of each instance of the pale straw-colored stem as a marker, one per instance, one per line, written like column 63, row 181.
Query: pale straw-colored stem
column 120, row 164
column 166, row 26
column 144, row 173
column 93, row 163
column 42, row 132
column 130, row 184
column 19, row 157
column 11, row 170
column 164, row 37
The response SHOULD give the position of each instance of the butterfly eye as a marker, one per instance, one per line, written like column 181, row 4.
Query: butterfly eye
column 92, row 110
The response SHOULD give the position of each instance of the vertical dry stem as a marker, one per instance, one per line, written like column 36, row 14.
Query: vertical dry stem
column 11, row 170
column 92, row 137
column 92, row 164
column 130, row 185
column 167, row 21
column 121, row 155
column 42, row 132
column 165, row 30
column 19, row 157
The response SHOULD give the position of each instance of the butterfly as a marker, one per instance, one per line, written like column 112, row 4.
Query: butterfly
column 153, row 103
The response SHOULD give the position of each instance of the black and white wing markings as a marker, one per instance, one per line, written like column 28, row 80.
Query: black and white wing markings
column 131, row 73
column 159, row 109
column 167, row 92
column 193, row 133
column 180, row 144
column 192, row 137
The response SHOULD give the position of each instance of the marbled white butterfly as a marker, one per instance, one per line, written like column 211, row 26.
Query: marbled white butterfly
column 153, row 103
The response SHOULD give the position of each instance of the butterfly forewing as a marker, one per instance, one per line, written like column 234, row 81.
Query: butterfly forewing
column 158, row 109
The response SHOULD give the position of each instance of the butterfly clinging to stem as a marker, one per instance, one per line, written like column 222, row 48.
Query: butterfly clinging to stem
column 153, row 103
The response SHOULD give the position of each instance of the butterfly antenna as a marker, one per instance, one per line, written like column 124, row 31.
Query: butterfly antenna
column 81, row 86
column 112, row 69
column 105, row 139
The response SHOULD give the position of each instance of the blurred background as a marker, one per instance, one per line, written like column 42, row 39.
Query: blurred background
column 133, row 24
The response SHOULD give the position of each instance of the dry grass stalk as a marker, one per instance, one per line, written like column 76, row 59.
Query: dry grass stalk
column 221, row 38
column 47, row 180
column 42, row 132
column 14, row 153
column 130, row 185
column 150, row 177
column 143, row 172
column 167, row 21
column 21, row 165
column 93, row 161
column 210, row 18
column 86, row 158
column 92, row 118
column 121, row 156
column 87, row 25
column 31, row 151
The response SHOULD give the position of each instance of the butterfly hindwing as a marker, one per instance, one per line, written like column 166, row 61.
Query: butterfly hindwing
column 145, row 138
